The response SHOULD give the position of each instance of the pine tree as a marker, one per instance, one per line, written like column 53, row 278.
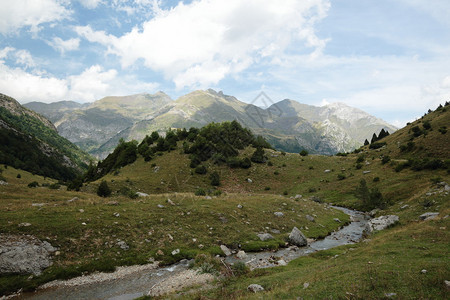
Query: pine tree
column 374, row 138
column 103, row 189
column 366, row 142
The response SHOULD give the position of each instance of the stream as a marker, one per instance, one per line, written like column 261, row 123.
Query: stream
column 136, row 281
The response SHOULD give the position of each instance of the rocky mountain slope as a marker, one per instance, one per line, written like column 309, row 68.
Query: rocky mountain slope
column 30, row 142
column 288, row 125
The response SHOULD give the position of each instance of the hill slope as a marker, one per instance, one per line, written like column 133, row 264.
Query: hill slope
column 31, row 142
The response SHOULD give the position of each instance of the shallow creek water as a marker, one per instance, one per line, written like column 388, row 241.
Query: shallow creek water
column 138, row 283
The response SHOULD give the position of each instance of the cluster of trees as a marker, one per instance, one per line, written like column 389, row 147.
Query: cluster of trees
column 25, row 152
column 370, row 197
column 383, row 133
column 219, row 142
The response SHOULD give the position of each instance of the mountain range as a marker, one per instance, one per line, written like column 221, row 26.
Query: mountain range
column 288, row 125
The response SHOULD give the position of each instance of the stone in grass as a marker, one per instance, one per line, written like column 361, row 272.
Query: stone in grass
column 310, row 218
column 278, row 214
column 241, row 254
column 265, row 236
column 255, row 288
column 225, row 250
column 297, row 238
column 428, row 216
column 176, row 251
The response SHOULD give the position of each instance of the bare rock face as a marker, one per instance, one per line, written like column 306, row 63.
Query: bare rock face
column 297, row 238
column 24, row 254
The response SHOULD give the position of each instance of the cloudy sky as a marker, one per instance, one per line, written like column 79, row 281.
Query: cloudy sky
column 390, row 58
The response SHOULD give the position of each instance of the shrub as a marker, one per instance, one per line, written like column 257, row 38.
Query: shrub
column 385, row 159
column 200, row 192
column 360, row 159
column 443, row 129
column 19, row 176
column 303, row 152
column 377, row 145
column 376, row 179
column 215, row 178
column 341, row 154
column 103, row 189
column 358, row 166
column 201, row 169
column 312, row 190
column 240, row 268
column 427, row 125
column 258, row 156
column 416, row 131
column 276, row 173
column 283, row 153
column 54, row 186
column 341, row 176
column 370, row 198
column 234, row 162
column 33, row 184
column 267, row 188
column 245, row 163
column 269, row 163
column 285, row 193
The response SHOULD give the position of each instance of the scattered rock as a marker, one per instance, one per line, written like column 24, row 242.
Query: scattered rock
column 84, row 224
column 390, row 295
column 297, row 238
column 176, row 251
column 208, row 197
column 171, row 202
column 429, row 216
column 249, row 180
column 25, row 224
column 73, row 199
column 327, row 171
column 122, row 245
column 170, row 236
column 225, row 250
column 201, row 246
column 447, row 284
column 140, row 194
column 366, row 172
column 310, row 218
column 239, row 206
column 305, row 285
column 24, row 254
column 373, row 212
column 255, row 288
column 160, row 252
column 282, row 262
column 265, row 236
column 298, row 196
column 337, row 220
column 160, row 206
column 275, row 231
column 37, row 204
column 380, row 223
column 116, row 214
column 156, row 169
column 81, row 210
column 278, row 214
column 404, row 206
column 423, row 271
column 241, row 254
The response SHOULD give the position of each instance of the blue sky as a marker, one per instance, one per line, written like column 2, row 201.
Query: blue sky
column 390, row 58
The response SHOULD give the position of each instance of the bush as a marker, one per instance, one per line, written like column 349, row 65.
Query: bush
column 427, row 125
column 443, row 129
column 416, row 131
column 377, row 145
column 215, row 178
column 341, row 177
column 360, row 159
column 19, row 176
column 376, row 179
column 103, row 189
column 267, row 188
column 200, row 192
column 234, row 162
column 201, row 169
column 54, row 186
column 240, row 268
column 245, row 163
column 358, row 166
column 385, row 159
column 269, row 163
column 303, row 152
column 370, row 198
column 33, row 184
column 285, row 193
column 258, row 156
column 408, row 147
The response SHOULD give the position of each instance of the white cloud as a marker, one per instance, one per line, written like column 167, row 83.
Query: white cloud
column 90, row 4
column 65, row 45
column 15, row 14
column 23, row 57
column 198, row 44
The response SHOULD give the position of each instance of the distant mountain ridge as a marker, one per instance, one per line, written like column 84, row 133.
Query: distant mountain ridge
column 288, row 124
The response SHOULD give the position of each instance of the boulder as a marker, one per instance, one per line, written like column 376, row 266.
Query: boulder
column 176, row 251
column 429, row 216
column 24, row 254
column 225, row 250
column 380, row 223
column 239, row 206
column 297, row 238
column 255, row 288
column 282, row 262
column 140, row 194
column 310, row 218
column 265, row 236
column 241, row 254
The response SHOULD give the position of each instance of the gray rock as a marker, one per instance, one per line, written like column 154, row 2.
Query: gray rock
column 3, row 182
column 208, row 197
column 249, row 180
column 297, row 238
column 140, row 194
column 239, row 206
column 278, row 214
column 282, row 262
column 265, row 236
column 241, row 254
column 171, row 202
column 390, row 295
column 310, row 218
column 122, row 245
column 327, row 171
column 366, row 172
column 447, row 284
column 337, row 220
column 404, row 206
column 380, row 223
column 275, row 231
column 255, row 288
column 25, row 224
column 73, row 199
column 429, row 216
column 160, row 206
column 298, row 196
column 225, row 250
column 176, row 251
column 24, row 254
column 373, row 212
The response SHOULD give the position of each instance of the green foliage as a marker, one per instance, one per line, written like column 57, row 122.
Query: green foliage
column 360, row 158
column 215, row 178
column 33, row 184
column 376, row 179
column 258, row 156
column 103, row 189
column 19, row 176
column 341, row 176
column 240, row 268
column 370, row 198
column 358, row 166
column 200, row 192
column 377, row 145
column 245, row 163
column 54, row 186
column 341, row 154
column 385, row 159
column 201, row 169
column 416, row 131
column 443, row 129
column 408, row 147
column 303, row 152
column 427, row 125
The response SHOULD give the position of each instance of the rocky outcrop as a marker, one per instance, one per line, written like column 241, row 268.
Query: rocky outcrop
column 380, row 223
column 24, row 254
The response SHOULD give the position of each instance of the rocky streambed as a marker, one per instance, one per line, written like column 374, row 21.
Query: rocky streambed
column 135, row 281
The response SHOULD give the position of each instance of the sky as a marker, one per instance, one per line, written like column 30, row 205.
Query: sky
column 390, row 58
